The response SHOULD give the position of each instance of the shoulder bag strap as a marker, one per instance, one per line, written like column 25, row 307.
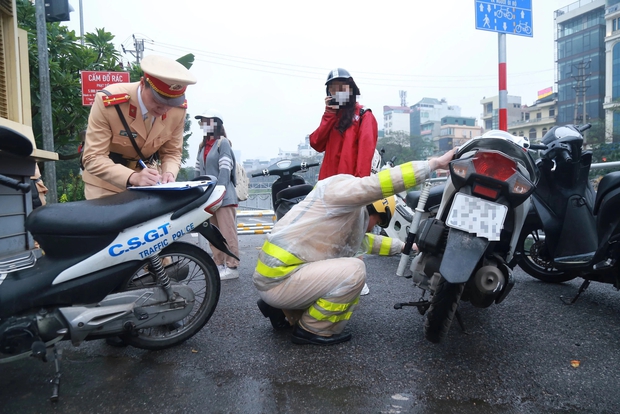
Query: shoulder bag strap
column 127, row 129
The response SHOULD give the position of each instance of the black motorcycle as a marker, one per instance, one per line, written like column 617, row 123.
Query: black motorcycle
column 571, row 231
column 290, row 188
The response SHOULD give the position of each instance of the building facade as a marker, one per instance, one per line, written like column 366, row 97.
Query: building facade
column 430, row 110
column 612, row 71
column 395, row 119
column 580, row 61
column 490, row 111
column 536, row 119
column 455, row 131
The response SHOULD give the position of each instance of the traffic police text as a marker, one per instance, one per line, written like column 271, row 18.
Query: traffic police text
column 157, row 236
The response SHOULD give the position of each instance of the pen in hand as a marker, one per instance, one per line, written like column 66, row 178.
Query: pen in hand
column 143, row 165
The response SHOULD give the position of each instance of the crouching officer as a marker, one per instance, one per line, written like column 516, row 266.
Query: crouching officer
column 307, row 273
column 134, row 123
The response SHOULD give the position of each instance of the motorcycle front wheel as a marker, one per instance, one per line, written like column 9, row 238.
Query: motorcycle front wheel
column 444, row 302
column 534, row 258
column 184, row 264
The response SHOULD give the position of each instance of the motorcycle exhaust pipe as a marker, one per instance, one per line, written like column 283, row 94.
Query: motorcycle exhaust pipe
column 485, row 286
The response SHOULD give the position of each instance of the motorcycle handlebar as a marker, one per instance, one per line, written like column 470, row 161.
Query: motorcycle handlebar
column 14, row 184
column 566, row 156
column 537, row 147
column 293, row 168
column 584, row 127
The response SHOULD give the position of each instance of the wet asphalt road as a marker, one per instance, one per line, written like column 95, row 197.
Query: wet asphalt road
column 514, row 358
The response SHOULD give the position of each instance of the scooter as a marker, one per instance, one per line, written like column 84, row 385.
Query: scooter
column 289, row 189
column 571, row 231
column 115, row 266
column 466, row 248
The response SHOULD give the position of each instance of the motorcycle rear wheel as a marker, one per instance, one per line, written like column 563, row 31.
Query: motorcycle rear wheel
column 444, row 302
column 196, row 269
column 533, row 257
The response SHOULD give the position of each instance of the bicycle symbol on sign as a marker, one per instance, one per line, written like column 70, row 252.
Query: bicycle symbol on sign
column 504, row 12
column 523, row 27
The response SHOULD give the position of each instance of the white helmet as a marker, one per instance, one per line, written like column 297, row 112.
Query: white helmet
column 375, row 166
column 210, row 113
column 495, row 133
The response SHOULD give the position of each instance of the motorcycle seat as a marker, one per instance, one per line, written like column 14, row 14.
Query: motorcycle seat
column 434, row 198
column 608, row 183
column 108, row 215
column 294, row 192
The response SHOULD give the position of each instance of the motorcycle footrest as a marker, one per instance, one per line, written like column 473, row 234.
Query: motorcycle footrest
column 421, row 303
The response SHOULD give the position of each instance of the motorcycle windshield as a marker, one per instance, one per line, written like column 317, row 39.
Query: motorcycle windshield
column 506, row 146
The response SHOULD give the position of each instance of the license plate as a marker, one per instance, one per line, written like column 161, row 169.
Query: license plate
column 480, row 217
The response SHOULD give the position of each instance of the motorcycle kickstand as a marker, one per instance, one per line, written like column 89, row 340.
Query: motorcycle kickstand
column 56, row 380
column 459, row 319
column 582, row 288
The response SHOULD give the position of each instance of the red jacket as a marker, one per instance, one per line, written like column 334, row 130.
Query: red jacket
column 348, row 153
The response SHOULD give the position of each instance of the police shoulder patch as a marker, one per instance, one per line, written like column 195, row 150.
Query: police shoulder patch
column 119, row 98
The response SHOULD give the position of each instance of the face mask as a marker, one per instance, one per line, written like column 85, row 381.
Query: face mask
column 208, row 129
column 342, row 97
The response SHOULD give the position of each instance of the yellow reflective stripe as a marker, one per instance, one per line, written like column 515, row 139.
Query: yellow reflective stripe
column 371, row 242
column 333, row 318
column 385, row 181
column 408, row 175
column 291, row 262
column 281, row 254
column 386, row 244
column 267, row 271
column 336, row 307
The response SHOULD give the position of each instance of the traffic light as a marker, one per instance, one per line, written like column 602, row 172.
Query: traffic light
column 57, row 11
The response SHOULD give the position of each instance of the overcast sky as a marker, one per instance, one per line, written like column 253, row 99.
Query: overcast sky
column 263, row 64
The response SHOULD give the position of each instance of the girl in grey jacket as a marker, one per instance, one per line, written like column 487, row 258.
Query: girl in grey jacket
column 215, row 157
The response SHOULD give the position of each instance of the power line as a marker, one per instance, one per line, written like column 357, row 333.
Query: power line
column 276, row 65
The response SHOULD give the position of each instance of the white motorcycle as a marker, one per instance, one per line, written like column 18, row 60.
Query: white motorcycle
column 115, row 266
column 467, row 242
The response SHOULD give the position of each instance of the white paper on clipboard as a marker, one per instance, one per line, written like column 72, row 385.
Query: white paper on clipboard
column 175, row 186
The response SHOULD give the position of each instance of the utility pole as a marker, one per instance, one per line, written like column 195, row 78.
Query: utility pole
column 138, row 51
column 403, row 98
column 47, row 131
column 581, row 88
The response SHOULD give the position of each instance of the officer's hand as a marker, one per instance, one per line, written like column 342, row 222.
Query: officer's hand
column 167, row 177
column 147, row 176
column 334, row 107
column 441, row 162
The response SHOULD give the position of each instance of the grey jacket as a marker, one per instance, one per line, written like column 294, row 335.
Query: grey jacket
column 220, row 163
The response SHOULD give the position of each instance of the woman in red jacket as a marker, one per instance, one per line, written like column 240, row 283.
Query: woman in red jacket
column 348, row 139
column 347, row 134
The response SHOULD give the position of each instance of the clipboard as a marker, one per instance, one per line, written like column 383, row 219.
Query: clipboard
column 175, row 186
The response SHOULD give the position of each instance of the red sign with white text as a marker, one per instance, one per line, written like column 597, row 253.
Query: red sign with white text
column 94, row 81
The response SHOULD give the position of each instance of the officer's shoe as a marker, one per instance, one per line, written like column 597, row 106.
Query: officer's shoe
column 302, row 337
column 275, row 315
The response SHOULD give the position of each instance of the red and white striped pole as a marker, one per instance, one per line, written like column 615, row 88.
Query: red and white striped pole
column 503, row 91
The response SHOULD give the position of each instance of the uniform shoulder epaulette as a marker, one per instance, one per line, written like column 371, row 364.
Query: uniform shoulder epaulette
column 119, row 98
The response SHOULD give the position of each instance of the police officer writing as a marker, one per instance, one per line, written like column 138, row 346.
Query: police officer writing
column 137, row 123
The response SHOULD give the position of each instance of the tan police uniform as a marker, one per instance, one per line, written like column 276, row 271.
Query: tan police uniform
column 106, row 134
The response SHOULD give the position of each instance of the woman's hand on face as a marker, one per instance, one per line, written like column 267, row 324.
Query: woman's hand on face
column 329, row 98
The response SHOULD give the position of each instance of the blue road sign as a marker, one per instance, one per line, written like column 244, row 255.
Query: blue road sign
column 505, row 16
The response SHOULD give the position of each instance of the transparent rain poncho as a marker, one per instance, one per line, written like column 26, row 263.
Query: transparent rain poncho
column 331, row 221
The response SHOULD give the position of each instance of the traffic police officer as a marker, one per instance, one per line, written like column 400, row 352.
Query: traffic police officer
column 154, row 110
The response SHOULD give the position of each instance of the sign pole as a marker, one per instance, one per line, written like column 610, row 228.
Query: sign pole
column 503, row 83
column 47, row 130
